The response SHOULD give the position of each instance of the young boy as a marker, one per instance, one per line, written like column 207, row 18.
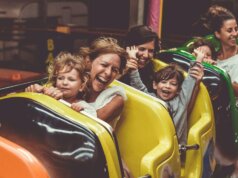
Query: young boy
column 170, row 86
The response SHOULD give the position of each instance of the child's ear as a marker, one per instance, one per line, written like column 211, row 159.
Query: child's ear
column 84, row 84
column 81, row 88
column 154, row 85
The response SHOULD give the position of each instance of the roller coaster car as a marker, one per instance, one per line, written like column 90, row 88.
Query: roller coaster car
column 18, row 162
column 201, row 131
column 222, row 95
column 70, row 144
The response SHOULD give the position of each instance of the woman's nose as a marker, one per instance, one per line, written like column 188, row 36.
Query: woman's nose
column 146, row 53
column 234, row 32
column 108, row 71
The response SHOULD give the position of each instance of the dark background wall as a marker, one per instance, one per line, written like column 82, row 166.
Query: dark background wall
column 179, row 18
column 109, row 13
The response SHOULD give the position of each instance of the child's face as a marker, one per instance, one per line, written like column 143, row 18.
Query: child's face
column 207, row 52
column 69, row 83
column 166, row 89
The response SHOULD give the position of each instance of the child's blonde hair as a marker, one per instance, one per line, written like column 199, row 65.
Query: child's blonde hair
column 68, row 61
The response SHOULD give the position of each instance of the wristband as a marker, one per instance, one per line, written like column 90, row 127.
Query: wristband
column 195, row 63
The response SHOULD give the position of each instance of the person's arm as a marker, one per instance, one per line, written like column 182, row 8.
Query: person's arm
column 136, row 82
column 50, row 91
column 84, row 106
column 189, row 88
column 35, row 88
column 112, row 109
column 197, row 72
column 131, row 63
column 235, row 88
column 193, row 97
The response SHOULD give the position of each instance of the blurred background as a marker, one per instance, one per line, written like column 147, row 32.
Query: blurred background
column 32, row 32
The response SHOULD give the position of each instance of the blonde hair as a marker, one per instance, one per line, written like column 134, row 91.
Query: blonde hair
column 105, row 45
column 68, row 61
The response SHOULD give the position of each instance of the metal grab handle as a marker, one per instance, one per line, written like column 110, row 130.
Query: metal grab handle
column 183, row 148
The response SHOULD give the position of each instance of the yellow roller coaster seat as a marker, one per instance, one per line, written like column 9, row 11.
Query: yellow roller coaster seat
column 146, row 136
column 201, row 131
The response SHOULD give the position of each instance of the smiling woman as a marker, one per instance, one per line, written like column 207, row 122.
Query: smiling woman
column 108, row 59
column 225, row 30
column 104, row 70
column 147, row 44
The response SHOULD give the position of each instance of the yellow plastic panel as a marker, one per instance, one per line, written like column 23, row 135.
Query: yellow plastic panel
column 100, row 128
column 146, row 136
column 201, row 130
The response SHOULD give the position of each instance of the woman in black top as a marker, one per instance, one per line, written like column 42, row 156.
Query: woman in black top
column 147, row 44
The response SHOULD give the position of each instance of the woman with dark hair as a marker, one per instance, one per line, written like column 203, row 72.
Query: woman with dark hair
column 223, row 24
column 225, row 29
column 146, row 43
column 204, row 25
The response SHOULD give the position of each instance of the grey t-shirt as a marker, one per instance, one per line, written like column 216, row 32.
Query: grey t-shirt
column 177, row 106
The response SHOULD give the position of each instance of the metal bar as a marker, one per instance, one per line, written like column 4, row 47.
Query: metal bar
column 20, row 86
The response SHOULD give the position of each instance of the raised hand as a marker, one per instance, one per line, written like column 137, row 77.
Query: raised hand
column 132, row 62
column 132, row 51
column 200, row 55
column 197, row 71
